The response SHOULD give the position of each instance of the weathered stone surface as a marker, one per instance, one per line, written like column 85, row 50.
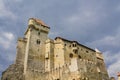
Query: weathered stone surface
column 14, row 72
column 41, row 58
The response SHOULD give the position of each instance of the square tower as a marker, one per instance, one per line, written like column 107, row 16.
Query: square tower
column 36, row 34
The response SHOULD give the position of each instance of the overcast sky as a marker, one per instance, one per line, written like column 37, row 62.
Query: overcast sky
column 95, row 23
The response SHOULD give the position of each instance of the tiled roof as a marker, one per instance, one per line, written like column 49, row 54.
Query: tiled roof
column 40, row 22
column 75, row 42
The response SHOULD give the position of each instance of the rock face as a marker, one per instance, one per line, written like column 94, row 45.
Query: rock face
column 41, row 58
column 14, row 72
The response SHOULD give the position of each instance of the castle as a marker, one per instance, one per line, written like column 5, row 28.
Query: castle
column 41, row 58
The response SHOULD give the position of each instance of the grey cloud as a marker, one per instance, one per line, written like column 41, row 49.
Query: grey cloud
column 113, row 68
column 90, row 22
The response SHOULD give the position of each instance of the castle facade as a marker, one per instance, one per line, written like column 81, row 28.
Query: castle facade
column 41, row 58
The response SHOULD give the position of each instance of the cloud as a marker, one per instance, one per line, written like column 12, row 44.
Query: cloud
column 6, row 39
column 94, row 23
column 17, row 0
column 114, row 61
column 110, row 48
column 108, row 41
column 5, row 12
column 1, row 67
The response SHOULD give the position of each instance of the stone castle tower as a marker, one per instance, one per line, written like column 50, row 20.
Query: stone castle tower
column 41, row 58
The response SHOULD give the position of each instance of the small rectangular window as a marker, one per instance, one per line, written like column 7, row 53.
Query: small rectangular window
column 38, row 33
column 87, row 52
column 38, row 41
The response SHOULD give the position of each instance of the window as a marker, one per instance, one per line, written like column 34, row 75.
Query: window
column 79, row 56
column 65, row 44
column 38, row 41
column 74, row 45
column 71, row 55
column 38, row 33
column 46, row 58
column 87, row 52
column 75, row 51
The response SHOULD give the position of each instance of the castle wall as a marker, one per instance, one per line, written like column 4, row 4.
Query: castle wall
column 102, row 69
column 59, row 59
column 20, row 57
column 49, row 55
column 36, row 59
column 58, row 54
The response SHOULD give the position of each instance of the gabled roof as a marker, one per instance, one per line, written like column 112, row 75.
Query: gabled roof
column 75, row 42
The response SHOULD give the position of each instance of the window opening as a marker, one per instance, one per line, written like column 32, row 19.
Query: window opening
column 73, row 45
column 38, row 41
column 71, row 55
column 86, row 51
column 38, row 33
column 65, row 44
column 79, row 56
column 75, row 51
